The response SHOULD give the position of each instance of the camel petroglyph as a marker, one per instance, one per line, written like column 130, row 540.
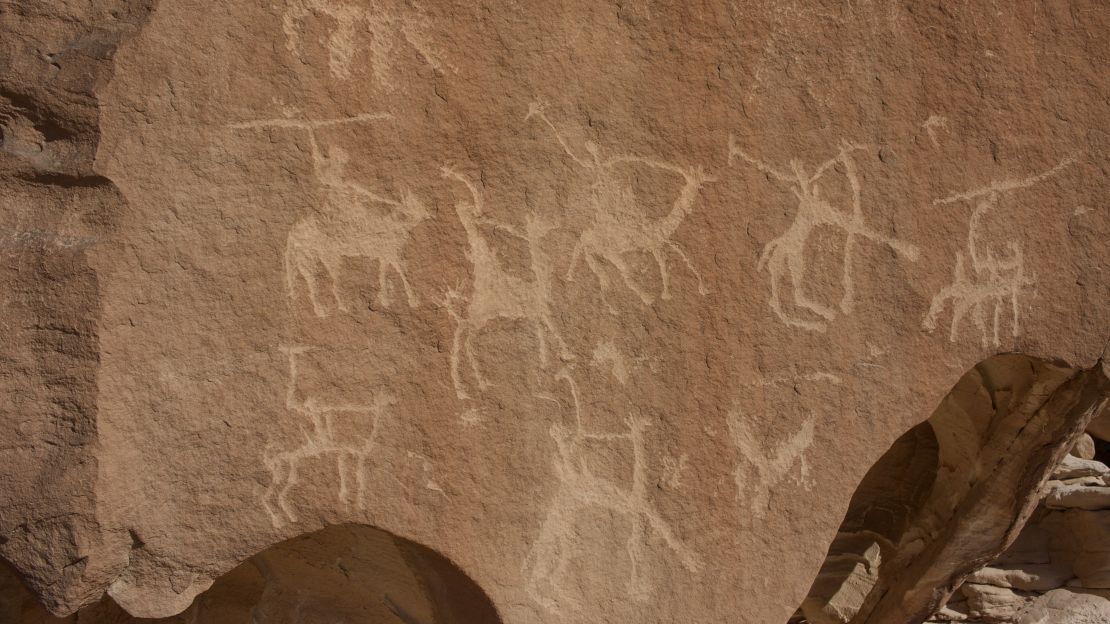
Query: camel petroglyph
column 994, row 282
column 351, row 455
column 619, row 225
column 496, row 293
column 346, row 226
column 785, row 256
column 386, row 32
column 579, row 490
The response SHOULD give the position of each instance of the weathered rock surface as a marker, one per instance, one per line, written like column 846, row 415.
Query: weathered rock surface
column 1066, row 606
column 1060, row 564
column 610, row 306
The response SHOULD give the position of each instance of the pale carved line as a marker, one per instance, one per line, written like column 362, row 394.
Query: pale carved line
column 320, row 440
column 784, row 257
column 619, row 225
column 495, row 293
column 979, row 295
column 931, row 124
column 385, row 30
column 579, row 489
column 768, row 465
column 345, row 228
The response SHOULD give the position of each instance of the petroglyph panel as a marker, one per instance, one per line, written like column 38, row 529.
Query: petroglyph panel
column 360, row 35
column 496, row 294
column 984, row 295
column 620, row 226
column 784, row 258
column 351, row 455
column 350, row 224
column 273, row 267
column 580, row 490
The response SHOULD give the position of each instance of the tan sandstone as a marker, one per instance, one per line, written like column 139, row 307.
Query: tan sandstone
column 544, row 312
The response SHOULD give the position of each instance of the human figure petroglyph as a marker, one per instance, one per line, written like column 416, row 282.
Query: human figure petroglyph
column 993, row 282
column 579, row 490
column 351, row 455
column 346, row 227
column 784, row 257
column 619, row 225
column 495, row 293
column 761, row 469
column 386, row 32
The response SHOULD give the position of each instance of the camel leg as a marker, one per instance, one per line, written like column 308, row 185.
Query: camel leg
column 332, row 268
column 575, row 256
column 546, row 560
column 313, row 292
column 657, row 253
column 702, row 290
column 383, row 285
column 413, row 301
column 626, row 275
column 468, row 344
column 283, row 492
column 360, row 479
column 848, row 301
column 456, row 347
column 271, row 499
column 564, row 351
column 539, row 328
column 341, row 468
column 602, row 281
column 997, row 320
column 639, row 588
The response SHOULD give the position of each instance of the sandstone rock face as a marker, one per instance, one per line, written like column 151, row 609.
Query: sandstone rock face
column 555, row 312
column 1058, row 569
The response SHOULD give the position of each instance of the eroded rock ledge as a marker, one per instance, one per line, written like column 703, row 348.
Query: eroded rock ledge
column 954, row 493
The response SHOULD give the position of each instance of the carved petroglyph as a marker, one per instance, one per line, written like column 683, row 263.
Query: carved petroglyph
column 673, row 470
column 578, row 491
column 495, row 293
column 350, row 454
column 762, row 468
column 792, row 380
column 784, row 257
column 620, row 226
column 385, row 33
column 607, row 355
column 980, row 293
column 931, row 124
column 347, row 226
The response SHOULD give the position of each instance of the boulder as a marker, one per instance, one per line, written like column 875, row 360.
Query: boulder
column 1077, row 496
column 994, row 604
column 1073, row 467
column 1069, row 606
column 1084, row 447
column 1030, row 577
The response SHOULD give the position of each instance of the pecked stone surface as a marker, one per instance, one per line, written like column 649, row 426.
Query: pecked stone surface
column 613, row 305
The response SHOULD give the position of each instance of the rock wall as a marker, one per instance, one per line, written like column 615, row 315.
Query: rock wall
column 611, row 305
column 953, row 493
